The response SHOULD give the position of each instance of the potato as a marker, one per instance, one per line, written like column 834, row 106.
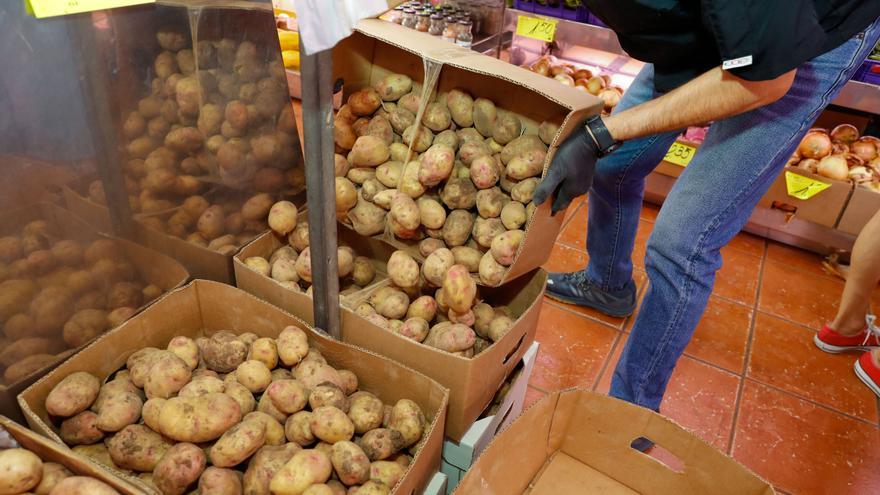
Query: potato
column 84, row 326
column 350, row 463
column 202, row 385
column 466, row 318
column 505, row 246
column 527, row 164
column 457, row 228
column 184, row 139
column 364, row 102
column 507, row 127
column 390, row 302
column 362, row 272
column 483, row 316
column 459, row 288
column 436, row 265
column 288, row 396
column 118, row 410
column 343, row 134
column 446, row 138
column 74, row 394
column 134, row 125
column 81, row 429
column 97, row 452
column 524, row 190
column 50, row 309
column 264, row 350
column 254, row 375
column 436, row 117
column 365, row 412
column 523, row 144
column 25, row 367
column 238, row 443
column 386, row 472
column 282, row 217
column 67, row 252
column 257, row 207
column 381, row 128
column 327, row 394
column 486, row 229
column 388, row 174
column 82, row 485
column 186, row 349
column 223, row 352
column 547, row 131
column 293, row 345
column 138, row 448
column 299, row 238
column 211, row 222
column 471, row 150
column 53, row 473
column 167, row 375
column 459, row 194
column 405, row 211
column 513, row 215
column 424, row 307
column 264, row 465
column 366, row 218
column 498, row 327
column 241, row 395
column 419, row 137
column 450, row 337
column 297, row 428
column 461, row 107
column 369, row 151
column 330, row 424
column 346, row 195
column 124, row 294
column 429, row 245
column 485, row 115
column 413, row 328
column 198, row 419
column 381, row 443
column 410, row 184
column 360, row 175
column 436, row 164
column 313, row 372
column 491, row 272
column 217, row 481
column 305, row 468
column 392, row 87
column 180, row 467
column 483, row 172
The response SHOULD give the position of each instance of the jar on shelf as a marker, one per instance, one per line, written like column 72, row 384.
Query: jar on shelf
column 450, row 29
column 423, row 21
column 437, row 25
column 409, row 18
column 464, row 38
column 397, row 15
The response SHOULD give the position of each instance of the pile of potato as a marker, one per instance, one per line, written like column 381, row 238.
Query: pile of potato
column 23, row 472
column 468, row 182
column 239, row 414
column 436, row 305
column 58, row 294
column 231, row 126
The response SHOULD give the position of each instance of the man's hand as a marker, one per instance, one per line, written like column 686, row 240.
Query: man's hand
column 571, row 173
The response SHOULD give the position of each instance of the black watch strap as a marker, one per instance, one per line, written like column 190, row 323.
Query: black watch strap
column 596, row 129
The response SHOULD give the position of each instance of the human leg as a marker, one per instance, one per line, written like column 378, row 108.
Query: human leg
column 708, row 205
column 864, row 273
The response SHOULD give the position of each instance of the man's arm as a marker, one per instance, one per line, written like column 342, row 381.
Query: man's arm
column 714, row 95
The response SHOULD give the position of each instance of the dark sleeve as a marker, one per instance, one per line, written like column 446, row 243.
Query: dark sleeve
column 779, row 35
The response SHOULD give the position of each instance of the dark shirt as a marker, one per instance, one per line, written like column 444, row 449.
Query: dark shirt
column 684, row 38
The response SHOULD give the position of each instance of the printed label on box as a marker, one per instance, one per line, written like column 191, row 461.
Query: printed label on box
column 537, row 28
column 680, row 154
column 801, row 187
column 52, row 8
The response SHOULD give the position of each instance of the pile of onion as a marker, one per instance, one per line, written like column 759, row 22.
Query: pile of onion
column 841, row 154
column 579, row 78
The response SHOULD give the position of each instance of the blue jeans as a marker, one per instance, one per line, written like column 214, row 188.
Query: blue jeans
column 709, row 204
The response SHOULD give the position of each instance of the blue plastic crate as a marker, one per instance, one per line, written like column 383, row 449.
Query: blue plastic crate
column 554, row 8
column 869, row 72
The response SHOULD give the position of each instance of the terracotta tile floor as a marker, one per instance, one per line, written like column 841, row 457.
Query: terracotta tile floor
column 751, row 383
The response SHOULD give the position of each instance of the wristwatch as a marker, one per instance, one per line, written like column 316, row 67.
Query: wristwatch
column 597, row 130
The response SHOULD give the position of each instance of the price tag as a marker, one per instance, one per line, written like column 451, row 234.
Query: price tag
column 537, row 28
column 52, row 8
column 680, row 154
column 801, row 187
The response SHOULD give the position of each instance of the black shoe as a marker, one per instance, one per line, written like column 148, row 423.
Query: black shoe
column 574, row 288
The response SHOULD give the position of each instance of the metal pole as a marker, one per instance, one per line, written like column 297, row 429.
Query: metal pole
column 317, row 108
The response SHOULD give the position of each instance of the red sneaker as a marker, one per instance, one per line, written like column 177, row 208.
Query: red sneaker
column 868, row 372
column 829, row 340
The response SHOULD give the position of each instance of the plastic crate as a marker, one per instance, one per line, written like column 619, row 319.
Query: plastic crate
column 869, row 72
column 554, row 8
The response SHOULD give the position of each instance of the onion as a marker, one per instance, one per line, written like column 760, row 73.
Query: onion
column 839, row 148
column 565, row 79
column 581, row 82
column 607, row 79
column 595, row 84
column 815, row 145
column 558, row 69
column 844, row 133
column 581, row 88
column 864, row 149
column 793, row 160
column 860, row 174
column 853, row 160
column 610, row 97
column 582, row 74
column 541, row 67
column 811, row 165
column 833, row 167
column 874, row 165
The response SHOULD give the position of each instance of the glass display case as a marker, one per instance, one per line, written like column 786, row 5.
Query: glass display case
column 140, row 146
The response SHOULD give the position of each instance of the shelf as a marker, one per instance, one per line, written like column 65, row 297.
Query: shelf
column 859, row 96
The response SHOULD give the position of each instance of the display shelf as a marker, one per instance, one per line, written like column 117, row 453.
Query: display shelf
column 857, row 95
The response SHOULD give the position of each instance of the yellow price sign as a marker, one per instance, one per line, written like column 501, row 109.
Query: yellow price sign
column 52, row 8
column 680, row 154
column 801, row 187
column 537, row 28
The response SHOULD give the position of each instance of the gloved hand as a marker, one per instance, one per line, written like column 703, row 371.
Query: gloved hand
column 571, row 172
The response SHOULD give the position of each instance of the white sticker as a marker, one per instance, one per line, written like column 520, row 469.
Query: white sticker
column 737, row 62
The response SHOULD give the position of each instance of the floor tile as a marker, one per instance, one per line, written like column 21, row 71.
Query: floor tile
column 722, row 335
column 795, row 258
column 748, row 243
column 738, row 277
column 604, row 383
column 649, row 212
column 573, row 349
column 810, row 300
column 803, row 448
column 565, row 259
column 575, row 231
column 783, row 355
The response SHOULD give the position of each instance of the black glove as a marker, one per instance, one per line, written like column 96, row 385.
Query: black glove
column 571, row 172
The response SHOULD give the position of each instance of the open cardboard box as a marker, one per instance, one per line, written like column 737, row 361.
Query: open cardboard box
column 577, row 442
column 153, row 268
column 860, row 208
column 378, row 48
column 824, row 208
column 49, row 451
column 203, row 308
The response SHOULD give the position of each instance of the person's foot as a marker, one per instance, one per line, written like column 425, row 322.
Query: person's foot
column 829, row 340
column 574, row 288
column 868, row 372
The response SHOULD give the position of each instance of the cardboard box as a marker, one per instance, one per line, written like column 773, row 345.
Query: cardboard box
column 49, row 451
column 578, row 442
column 77, row 200
column 437, row 486
column 862, row 206
column 458, row 456
column 378, row 48
column 153, row 268
column 824, row 208
column 672, row 169
column 204, row 307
